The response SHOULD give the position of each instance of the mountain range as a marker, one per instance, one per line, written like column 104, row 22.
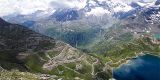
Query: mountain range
column 85, row 43
column 26, row 50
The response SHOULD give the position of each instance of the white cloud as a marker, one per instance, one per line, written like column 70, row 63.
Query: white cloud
column 68, row 3
column 30, row 6
column 22, row 6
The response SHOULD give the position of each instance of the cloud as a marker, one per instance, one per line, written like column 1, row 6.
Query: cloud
column 61, row 4
column 29, row 6
column 22, row 6
column 128, row 1
column 68, row 3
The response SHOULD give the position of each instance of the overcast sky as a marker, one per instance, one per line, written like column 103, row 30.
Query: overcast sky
column 29, row 6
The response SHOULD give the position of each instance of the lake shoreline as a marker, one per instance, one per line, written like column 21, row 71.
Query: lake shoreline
column 148, row 60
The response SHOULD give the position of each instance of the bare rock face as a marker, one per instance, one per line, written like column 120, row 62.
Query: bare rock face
column 157, row 2
column 1, row 69
column 144, row 21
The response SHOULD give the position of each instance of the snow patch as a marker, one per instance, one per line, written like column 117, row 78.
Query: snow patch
column 98, row 11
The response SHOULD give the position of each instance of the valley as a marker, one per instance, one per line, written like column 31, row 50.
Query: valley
column 95, row 42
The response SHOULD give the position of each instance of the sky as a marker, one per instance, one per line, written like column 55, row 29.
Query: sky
column 29, row 6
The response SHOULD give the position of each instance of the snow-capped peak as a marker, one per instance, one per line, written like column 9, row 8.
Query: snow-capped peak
column 141, row 4
column 99, row 7
column 98, row 11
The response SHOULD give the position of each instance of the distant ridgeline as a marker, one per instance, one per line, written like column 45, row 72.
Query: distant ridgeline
column 105, row 43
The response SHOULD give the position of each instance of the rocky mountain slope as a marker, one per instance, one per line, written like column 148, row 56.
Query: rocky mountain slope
column 14, row 36
column 79, row 27
column 25, row 50
column 66, row 24
column 131, row 36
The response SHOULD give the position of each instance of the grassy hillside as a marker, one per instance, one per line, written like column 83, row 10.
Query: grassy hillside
column 16, row 75
column 120, row 46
